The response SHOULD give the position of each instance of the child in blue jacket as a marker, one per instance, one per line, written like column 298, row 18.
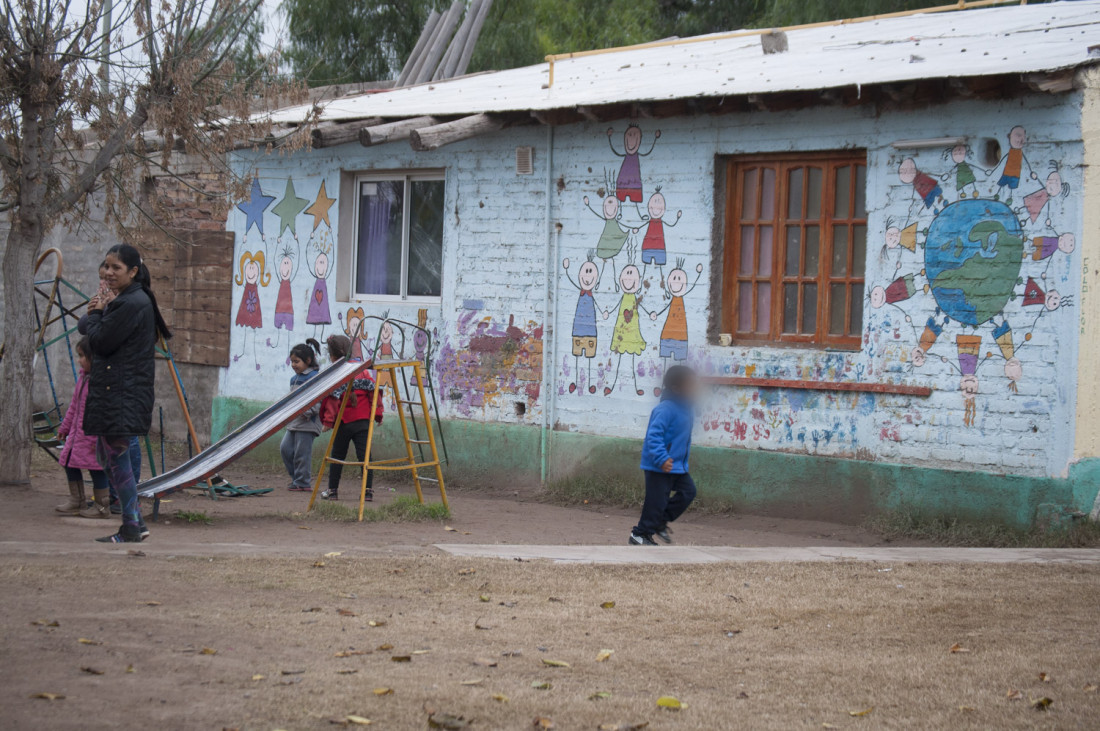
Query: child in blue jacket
column 669, row 489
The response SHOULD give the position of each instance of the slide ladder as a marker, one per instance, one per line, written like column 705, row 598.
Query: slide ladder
column 409, row 401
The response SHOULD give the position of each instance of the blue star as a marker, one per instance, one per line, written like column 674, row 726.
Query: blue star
column 255, row 207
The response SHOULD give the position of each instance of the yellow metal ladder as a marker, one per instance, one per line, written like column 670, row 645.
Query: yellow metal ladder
column 395, row 368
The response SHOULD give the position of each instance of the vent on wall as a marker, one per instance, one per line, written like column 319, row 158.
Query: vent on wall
column 525, row 160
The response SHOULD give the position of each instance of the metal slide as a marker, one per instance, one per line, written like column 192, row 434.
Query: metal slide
column 248, row 435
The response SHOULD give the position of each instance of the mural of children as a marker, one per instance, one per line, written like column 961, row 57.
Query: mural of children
column 674, row 334
column 613, row 237
column 899, row 290
column 964, row 174
column 1014, row 162
column 969, row 346
column 1043, row 247
column 584, row 318
column 1035, row 203
column 318, row 312
column 653, row 243
column 925, row 186
column 1014, row 370
column 284, row 302
column 628, row 185
column 932, row 331
column 626, row 337
column 352, row 322
column 253, row 275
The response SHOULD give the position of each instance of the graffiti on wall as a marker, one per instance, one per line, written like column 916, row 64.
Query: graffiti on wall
column 276, row 253
column 981, row 250
column 634, row 243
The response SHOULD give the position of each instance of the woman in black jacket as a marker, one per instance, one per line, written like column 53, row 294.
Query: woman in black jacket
column 122, row 328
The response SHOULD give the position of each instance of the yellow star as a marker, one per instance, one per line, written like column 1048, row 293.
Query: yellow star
column 319, row 209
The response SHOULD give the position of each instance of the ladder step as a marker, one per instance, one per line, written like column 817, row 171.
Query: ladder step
column 428, row 479
column 344, row 462
column 419, row 441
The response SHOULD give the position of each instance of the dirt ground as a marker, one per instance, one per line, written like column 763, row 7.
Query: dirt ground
column 255, row 623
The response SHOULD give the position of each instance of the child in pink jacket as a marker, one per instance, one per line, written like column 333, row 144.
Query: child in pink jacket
column 78, row 453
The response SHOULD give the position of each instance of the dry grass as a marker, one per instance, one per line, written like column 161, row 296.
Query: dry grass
column 908, row 525
column 757, row 646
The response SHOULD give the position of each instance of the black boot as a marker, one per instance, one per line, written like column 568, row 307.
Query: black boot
column 126, row 534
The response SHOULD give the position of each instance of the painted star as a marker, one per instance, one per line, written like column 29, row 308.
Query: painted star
column 255, row 207
column 289, row 208
column 319, row 209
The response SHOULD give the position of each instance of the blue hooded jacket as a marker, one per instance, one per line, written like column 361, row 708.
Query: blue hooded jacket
column 668, row 435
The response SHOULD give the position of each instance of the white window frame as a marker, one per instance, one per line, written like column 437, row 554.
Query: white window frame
column 409, row 177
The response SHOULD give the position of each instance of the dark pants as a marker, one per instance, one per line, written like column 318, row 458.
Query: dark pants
column 99, row 477
column 114, row 454
column 667, row 496
column 348, row 433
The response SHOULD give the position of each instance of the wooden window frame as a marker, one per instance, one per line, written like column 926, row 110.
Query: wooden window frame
column 783, row 163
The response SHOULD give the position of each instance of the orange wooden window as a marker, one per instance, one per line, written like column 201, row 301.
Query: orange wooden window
column 795, row 249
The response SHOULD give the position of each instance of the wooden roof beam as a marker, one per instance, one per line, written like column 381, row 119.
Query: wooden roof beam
column 330, row 134
column 393, row 131
column 435, row 136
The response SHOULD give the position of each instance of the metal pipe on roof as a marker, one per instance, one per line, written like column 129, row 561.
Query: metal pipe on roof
column 960, row 5
column 421, row 42
column 450, row 59
column 442, row 38
column 423, row 56
column 471, row 41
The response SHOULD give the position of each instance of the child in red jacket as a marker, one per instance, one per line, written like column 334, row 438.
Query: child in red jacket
column 355, row 422
column 79, row 450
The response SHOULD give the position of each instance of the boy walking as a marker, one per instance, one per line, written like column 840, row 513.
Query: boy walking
column 669, row 489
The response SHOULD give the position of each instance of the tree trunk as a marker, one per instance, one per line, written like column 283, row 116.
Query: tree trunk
column 16, row 373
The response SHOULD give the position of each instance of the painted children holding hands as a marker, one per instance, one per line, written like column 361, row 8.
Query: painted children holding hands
column 355, row 423
column 297, row 445
column 669, row 489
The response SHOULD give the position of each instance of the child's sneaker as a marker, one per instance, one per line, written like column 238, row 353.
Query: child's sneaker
column 370, row 495
column 638, row 540
column 124, row 535
column 330, row 495
column 663, row 534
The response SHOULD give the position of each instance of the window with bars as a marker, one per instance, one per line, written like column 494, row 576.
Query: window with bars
column 795, row 249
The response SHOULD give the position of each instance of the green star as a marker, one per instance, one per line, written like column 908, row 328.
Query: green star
column 288, row 209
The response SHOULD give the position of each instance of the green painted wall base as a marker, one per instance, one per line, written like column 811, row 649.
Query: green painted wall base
column 753, row 481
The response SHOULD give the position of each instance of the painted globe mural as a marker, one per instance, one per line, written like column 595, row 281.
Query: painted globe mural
column 972, row 258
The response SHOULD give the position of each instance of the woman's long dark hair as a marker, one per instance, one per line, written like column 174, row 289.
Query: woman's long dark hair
column 131, row 257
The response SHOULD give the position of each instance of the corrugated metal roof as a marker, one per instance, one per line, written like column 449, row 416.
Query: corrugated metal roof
column 1003, row 40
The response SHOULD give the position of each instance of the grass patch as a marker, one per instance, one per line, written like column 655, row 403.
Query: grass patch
column 906, row 524
column 618, row 492
column 402, row 509
column 194, row 516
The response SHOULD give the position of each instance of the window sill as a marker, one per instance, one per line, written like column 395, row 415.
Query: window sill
column 394, row 300
column 856, row 386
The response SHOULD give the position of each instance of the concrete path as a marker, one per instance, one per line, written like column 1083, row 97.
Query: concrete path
column 716, row 554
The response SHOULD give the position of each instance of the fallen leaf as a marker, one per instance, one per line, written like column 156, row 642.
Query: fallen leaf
column 864, row 712
column 447, row 721
column 500, row 698
column 450, row 529
column 420, row 652
column 46, row 623
column 466, row 572
column 318, row 564
column 670, row 703
column 485, row 662
column 312, row 609
column 129, row 668
column 151, row 604
column 955, row 648
column 511, row 653
column 347, row 671
column 376, row 623
column 383, row 691
column 623, row 726
column 474, row 681
column 1090, row 688
column 542, row 722
column 484, row 598
column 48, row 696
column 135, row 553
column 346, row 612
column 607, row 605
column 345, row 595
column 555, row 599
column 385, row 648
column 91, row 670
column 1041, row 704
column 292, row 672
column 508, row 604
column 541, row 685
column 359, row 721
column 1045, row 678
column 556, row 663
column 401, row 658
column 1014, row 695
column 86, row 641
column 257, row 676
column 208, row 651
column 604, row 655
column 600, row 695
column 479, row 625
column 397, row 571
column 334, row 554
column 304, row 527
column 966, row 709
column 742, row 695
column 351, row 653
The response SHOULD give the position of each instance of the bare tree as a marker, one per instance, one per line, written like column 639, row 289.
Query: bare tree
column 97, row 98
